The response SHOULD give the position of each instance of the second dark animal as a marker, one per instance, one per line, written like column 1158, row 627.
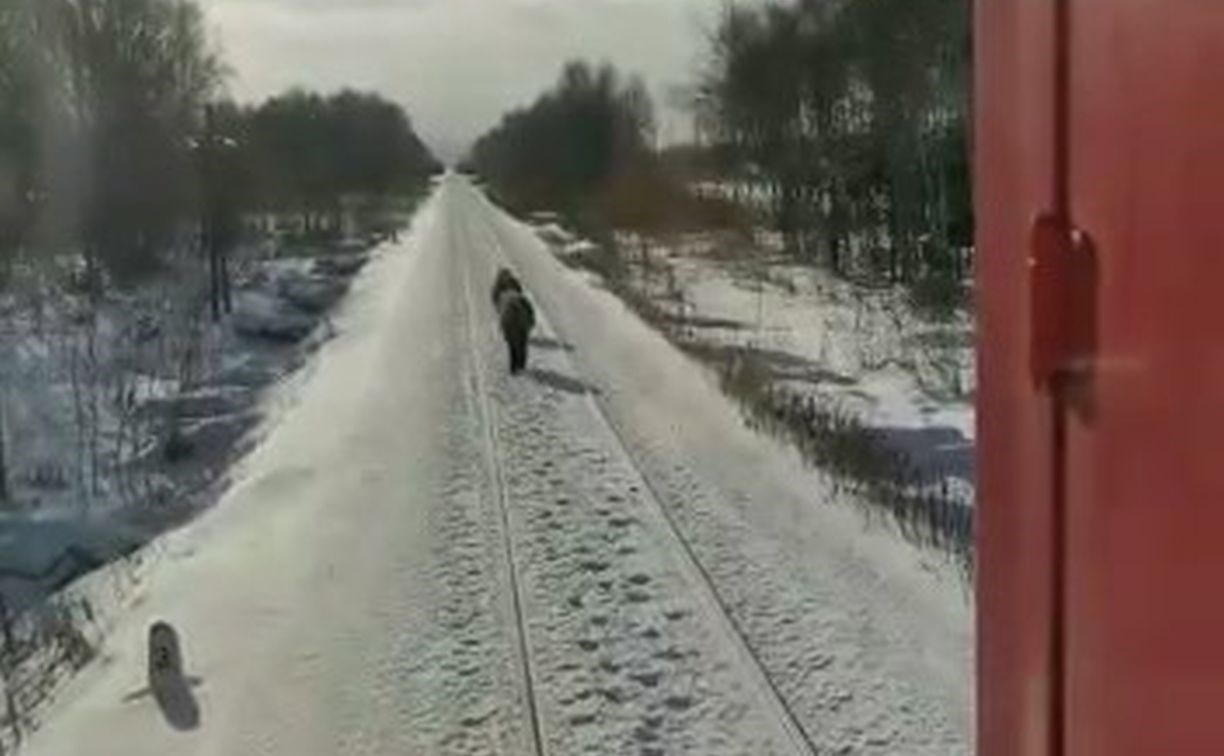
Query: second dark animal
column 505, row 281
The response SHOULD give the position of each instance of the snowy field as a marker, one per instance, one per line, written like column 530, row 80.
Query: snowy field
column 858, row 350
column 429, row 556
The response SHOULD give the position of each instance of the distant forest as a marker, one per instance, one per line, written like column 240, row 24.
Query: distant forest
column 843, row 125
column 116, row 140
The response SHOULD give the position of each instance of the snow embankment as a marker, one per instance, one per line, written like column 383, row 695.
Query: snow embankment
column 866, row 352
column 121, row 413
column 116, row 414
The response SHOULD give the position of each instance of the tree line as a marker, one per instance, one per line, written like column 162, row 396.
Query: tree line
column 854, row 118
column 115, row 139
column 303, row 151
column 844, row 123
column 583, row 148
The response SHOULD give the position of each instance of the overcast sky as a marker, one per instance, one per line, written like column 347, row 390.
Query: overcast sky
column 456, row 65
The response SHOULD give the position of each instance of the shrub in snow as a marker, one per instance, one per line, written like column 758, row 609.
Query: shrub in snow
column 176, row 447
column 259, row 314
column 925, row 508
column 340, row 265
column 309, row 293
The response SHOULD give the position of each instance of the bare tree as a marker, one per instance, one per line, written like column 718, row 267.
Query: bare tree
column 854, row 117
column 125, row 83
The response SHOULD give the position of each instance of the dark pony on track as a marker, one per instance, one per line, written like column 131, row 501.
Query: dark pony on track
column 516, row 315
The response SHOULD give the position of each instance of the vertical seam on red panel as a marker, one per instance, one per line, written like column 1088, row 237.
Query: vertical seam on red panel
column 1058, row 643
column 1058, row 478
column 1062, row 107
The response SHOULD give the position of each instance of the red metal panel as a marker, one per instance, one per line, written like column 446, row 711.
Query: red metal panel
column 1145, row 476
column 1142, row 658
column 1015, row 184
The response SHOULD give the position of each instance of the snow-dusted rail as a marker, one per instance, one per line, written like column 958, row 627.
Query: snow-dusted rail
column 769, row 694
column 493, row 460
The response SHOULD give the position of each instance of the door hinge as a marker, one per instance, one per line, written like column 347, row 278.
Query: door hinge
column 1063, row 280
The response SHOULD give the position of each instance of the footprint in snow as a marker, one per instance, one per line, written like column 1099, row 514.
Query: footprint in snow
column 644, row 734
column 670, row 654
column 678, row 702
column 582, row 720
column 637, row 597
column 614, row 695
column 648, row 679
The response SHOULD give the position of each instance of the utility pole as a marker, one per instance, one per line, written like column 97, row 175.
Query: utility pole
column 216, row 155
column 4, row 483
column 208, row 170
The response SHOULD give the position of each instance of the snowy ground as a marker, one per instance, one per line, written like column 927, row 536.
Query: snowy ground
column 121, row 416
column 863, row 350
column 95, row 394
column 428, row 556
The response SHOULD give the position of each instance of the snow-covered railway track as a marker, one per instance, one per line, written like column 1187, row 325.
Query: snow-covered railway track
column 704, row 589
column 494, row 462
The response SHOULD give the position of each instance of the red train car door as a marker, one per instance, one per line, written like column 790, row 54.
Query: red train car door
column 1100, row 203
